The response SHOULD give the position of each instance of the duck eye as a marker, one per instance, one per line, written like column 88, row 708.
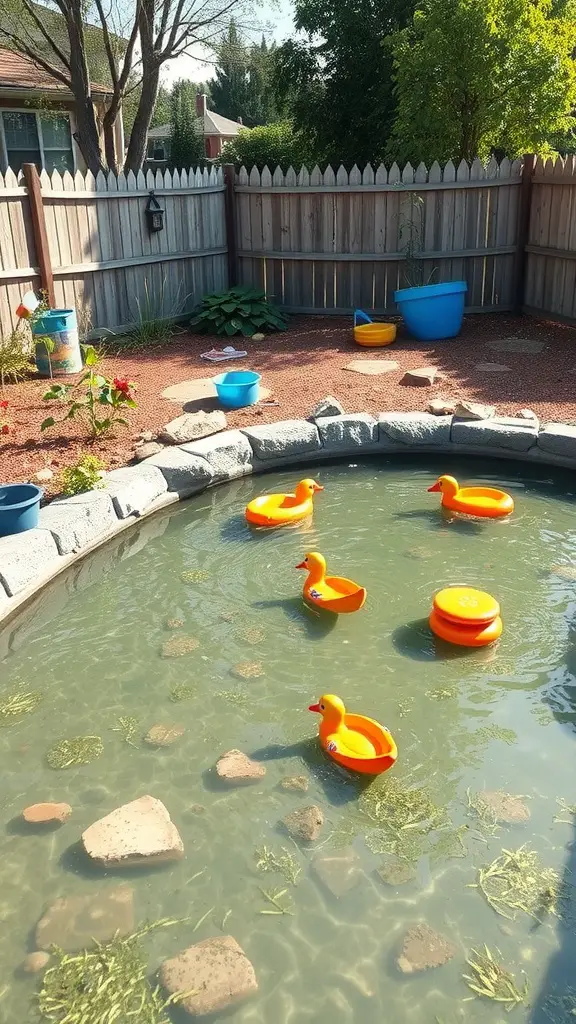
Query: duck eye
column 322, row 708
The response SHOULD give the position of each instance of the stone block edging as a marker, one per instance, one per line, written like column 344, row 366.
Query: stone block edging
column 71, row 528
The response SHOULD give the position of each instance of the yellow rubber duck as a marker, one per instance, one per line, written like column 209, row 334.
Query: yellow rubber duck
column 282, row 509
column 487, row 502
column 334, row 593
column 354, row 741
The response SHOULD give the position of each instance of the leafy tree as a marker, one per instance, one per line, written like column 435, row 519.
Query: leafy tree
column 242, row 86
column 272, row 144
column 338, row 84
column 162, row 109
column 134, row 35
column 187, row 138
column 471, row 77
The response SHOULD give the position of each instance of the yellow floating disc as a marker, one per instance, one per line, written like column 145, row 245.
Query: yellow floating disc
column 466, row 606
column 478, row 635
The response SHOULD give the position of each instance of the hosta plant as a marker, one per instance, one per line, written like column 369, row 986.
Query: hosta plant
column 243, row 311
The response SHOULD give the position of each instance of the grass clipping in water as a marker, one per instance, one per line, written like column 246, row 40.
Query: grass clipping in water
column 15, row 705
column 492, row 981
column 517, row 880
column 105, row 984
column 401, row 819
column 78, row 750
column 284, row 863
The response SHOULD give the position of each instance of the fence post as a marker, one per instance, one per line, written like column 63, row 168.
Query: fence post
column 230, row 208
column 39, row 230
column 523, row 230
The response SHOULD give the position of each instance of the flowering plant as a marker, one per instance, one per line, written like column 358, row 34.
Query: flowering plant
column 4, row 422
column 95, row 397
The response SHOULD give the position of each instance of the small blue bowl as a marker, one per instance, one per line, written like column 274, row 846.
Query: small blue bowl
column 19, row 508
column 237, row 388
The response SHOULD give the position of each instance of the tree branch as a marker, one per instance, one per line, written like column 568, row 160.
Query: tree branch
column 26, row 51
column 38, row 22
column 107, row 44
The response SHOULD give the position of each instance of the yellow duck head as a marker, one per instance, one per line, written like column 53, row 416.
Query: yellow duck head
column 446, row 485
column 332, row 710
column 315, row 563
column 306, row 489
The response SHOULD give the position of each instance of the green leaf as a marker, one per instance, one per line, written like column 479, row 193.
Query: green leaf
column 247, row 330
column 90, row 355
column 229, row 307
column 122, row 421
column 49, row 422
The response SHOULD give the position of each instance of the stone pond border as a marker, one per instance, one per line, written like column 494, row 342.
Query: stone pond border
column 71, row 528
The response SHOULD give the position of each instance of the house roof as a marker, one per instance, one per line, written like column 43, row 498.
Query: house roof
column 214, row 124
column 20, row 73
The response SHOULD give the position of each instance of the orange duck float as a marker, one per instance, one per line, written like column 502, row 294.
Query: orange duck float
column 354, row 741
column 487, row 502
column 281, row 509
column 334, row 593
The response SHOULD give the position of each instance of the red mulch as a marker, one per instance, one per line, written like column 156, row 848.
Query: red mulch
column 300, row 367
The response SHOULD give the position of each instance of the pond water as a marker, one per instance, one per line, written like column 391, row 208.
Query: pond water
column 501, row 718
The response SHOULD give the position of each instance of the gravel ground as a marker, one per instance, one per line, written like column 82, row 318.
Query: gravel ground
column 302, row 366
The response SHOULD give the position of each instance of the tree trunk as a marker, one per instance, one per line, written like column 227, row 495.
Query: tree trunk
column 139, row 134
column 110, row 145
column 87, row 135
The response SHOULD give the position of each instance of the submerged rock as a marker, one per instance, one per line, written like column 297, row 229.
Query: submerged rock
column 339, row 872
column 174, row 623
column 179, row 645
column 419, row 553
column 566, row 572
column 238, row 769
column 35, row 962
column 140, row 832
column 503, row 807
column 424, row 948
column 45, row 814
column 216, row 972
column 77, row 922
column 248, row 669
column 163, row 735
column 295, row 783
column 396, row 872
column 305, row 823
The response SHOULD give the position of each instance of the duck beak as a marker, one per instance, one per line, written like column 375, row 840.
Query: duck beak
column 318, row 487
column 301, row 565
column 314, row 707
column 435, row 487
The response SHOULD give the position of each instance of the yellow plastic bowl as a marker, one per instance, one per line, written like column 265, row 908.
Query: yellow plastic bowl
column 374, row 335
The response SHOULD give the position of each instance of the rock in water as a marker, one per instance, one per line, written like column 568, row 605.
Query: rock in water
column 216, row 972
column 140, row 832
column 238, row 769
column 474, row 411
column 191, row 426
column 44, row 814
column 35, row 962
column 327, row 407
column 424, row 948
column 339, row 872
column 396, row 872
column 295, row 783
column 304, row 824
column 163, row 735
column 504, row 807
column 78, row 922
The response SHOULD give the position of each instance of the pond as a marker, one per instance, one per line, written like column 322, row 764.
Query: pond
column 203, row 627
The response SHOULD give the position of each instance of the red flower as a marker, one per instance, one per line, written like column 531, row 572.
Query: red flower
column 5, row 429
column 122, row 385
column 4, row 404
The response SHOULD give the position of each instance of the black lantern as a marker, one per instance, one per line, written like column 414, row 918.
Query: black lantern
column 154, row 214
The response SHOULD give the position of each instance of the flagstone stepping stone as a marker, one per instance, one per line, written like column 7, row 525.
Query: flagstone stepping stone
column 492, row 368
column 77, row 922
column 424, row 948
column 372, row 367
column 141, row 832
column 524, row 346
column 215, row 974
column 198, row 389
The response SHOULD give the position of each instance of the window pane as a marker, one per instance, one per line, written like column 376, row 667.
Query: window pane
column 55, row 132
column 20, row 130
column 17, row 157
column 58, row 160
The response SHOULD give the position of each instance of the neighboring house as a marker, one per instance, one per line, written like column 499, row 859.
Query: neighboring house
column 37, row 122
column 216, row 129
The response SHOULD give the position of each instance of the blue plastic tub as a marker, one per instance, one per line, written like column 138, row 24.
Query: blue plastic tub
column 433, row 311
column 19, row 507
column 61, row 327
column 237, row 388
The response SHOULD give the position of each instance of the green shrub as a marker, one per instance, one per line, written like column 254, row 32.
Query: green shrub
column 84, row 475
column 275, row 145
column 243, row 311
column 15, row 355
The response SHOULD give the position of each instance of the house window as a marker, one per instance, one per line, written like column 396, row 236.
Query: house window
column 35, row 138
column 158, row 149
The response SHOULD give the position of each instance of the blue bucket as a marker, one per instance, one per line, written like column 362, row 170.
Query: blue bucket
column 60, row 326
column 19, row 507
column 433, row 311
column 237, row 388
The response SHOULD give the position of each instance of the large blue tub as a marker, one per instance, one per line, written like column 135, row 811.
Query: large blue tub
column 19, row 507
column 237, row 388
column 433, row 311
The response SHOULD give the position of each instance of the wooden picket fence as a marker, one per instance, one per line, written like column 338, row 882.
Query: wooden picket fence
column 327, row 242
column 104, row 260
column 316, row 241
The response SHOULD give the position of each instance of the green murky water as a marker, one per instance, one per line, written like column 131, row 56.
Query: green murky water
column 498, row 719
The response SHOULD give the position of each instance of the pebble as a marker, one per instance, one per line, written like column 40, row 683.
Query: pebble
column 440, row 407
column 144, row 451
column 43, row 476
column 43, row 814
